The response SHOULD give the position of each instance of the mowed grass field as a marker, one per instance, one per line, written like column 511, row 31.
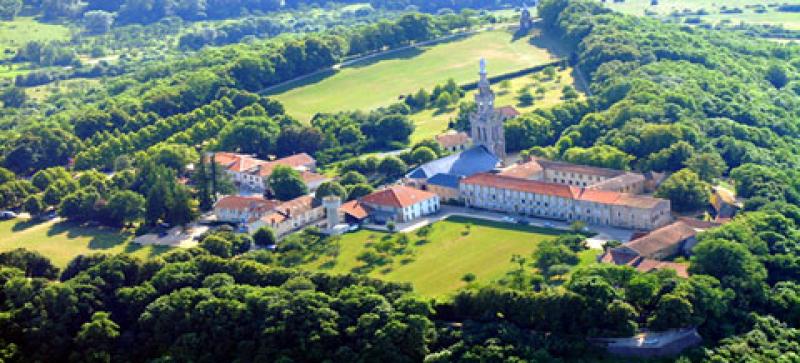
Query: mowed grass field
column 713, row 7
column 432, row 122
column 21, row 30
column 436, row 265
column 62, row 241
column 381, row 81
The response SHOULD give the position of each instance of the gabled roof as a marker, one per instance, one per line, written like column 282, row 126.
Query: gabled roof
column 452, row 139
column 311, row 177
column 295, row 161
column 287, row 210
column 474, row 160
column 508, row 111
column 580, row 169
column 235, row 202
column 527, row 170
column 522, row 185
column 646, row 265
column 619, row 182
column 623, row 257
column 355, row 209
column 662, row 238
column 563, row 191
column 397, row 196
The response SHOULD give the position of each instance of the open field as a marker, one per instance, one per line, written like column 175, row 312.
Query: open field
column 713, row 7
column 432, row 122
column 381, row 81
column 21, row 30
column 436, row 265
column 62, row 241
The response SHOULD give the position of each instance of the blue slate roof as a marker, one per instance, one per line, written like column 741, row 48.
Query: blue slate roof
column 445, row 180
column 469, row 162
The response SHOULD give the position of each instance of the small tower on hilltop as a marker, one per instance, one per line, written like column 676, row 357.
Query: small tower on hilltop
column 525, row 20
column 487, row 124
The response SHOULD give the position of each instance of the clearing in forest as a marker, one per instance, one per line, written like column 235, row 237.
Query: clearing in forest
column 436, row 263
column 735, row 11
column 63, row 241
column 380, row 81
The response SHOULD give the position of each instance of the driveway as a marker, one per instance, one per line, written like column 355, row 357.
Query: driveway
column 175, row 237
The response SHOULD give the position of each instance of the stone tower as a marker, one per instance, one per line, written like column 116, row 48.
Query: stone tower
column 486, row 123
column 331, row 204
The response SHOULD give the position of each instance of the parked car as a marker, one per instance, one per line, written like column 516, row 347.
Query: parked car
column 7, row 214
column 523, row 221
column 509, row 219
column 49, row 215
column 549, row 225
column 353, row 228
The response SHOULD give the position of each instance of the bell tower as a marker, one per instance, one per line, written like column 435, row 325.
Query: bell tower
column 486, row 124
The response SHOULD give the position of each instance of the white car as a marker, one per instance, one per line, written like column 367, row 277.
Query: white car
column 509, row 219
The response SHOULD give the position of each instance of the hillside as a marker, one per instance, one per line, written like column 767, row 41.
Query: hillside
column 380, row 81
column 122, row 147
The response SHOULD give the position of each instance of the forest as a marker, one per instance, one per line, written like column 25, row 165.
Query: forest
column 664, row 97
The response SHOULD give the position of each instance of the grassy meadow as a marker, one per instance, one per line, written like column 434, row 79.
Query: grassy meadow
column 437, row 262
column 713, row 7
column 21, row 30
column 381, row 81
column 62, row 241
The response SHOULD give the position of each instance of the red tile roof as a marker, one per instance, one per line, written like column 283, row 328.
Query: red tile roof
column 662, row 238
column 508, row 111
column 524, row 171
column 236, row 162
column 286, row 210
column 355, row 209
column 618, row 256
column 452, row 139
column 621, row 257
column 311, row 177
column 294, row 162
column 522, row 185
column 599, row 196
column 397, row 196
column 649, row 265
column 559, row 190
column 579, row 169
column 235, row 202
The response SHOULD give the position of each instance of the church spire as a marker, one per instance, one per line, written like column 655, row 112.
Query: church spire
column 486, row 124
column 484, row 88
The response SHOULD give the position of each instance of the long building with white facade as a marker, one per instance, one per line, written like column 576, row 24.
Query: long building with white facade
column 564, row 202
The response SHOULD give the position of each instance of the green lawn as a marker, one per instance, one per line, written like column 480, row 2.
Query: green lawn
column 62, row 241
column 435, row 267
column 14, row 34
column 713, row 7
column 432, row 122
column 379, row 82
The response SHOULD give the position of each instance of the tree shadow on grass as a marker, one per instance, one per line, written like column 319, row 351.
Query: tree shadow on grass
column 305, row 81
column 25, row 224
column 100, row 238
column 542, row 39
column 403, row 54
column 153, row 250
